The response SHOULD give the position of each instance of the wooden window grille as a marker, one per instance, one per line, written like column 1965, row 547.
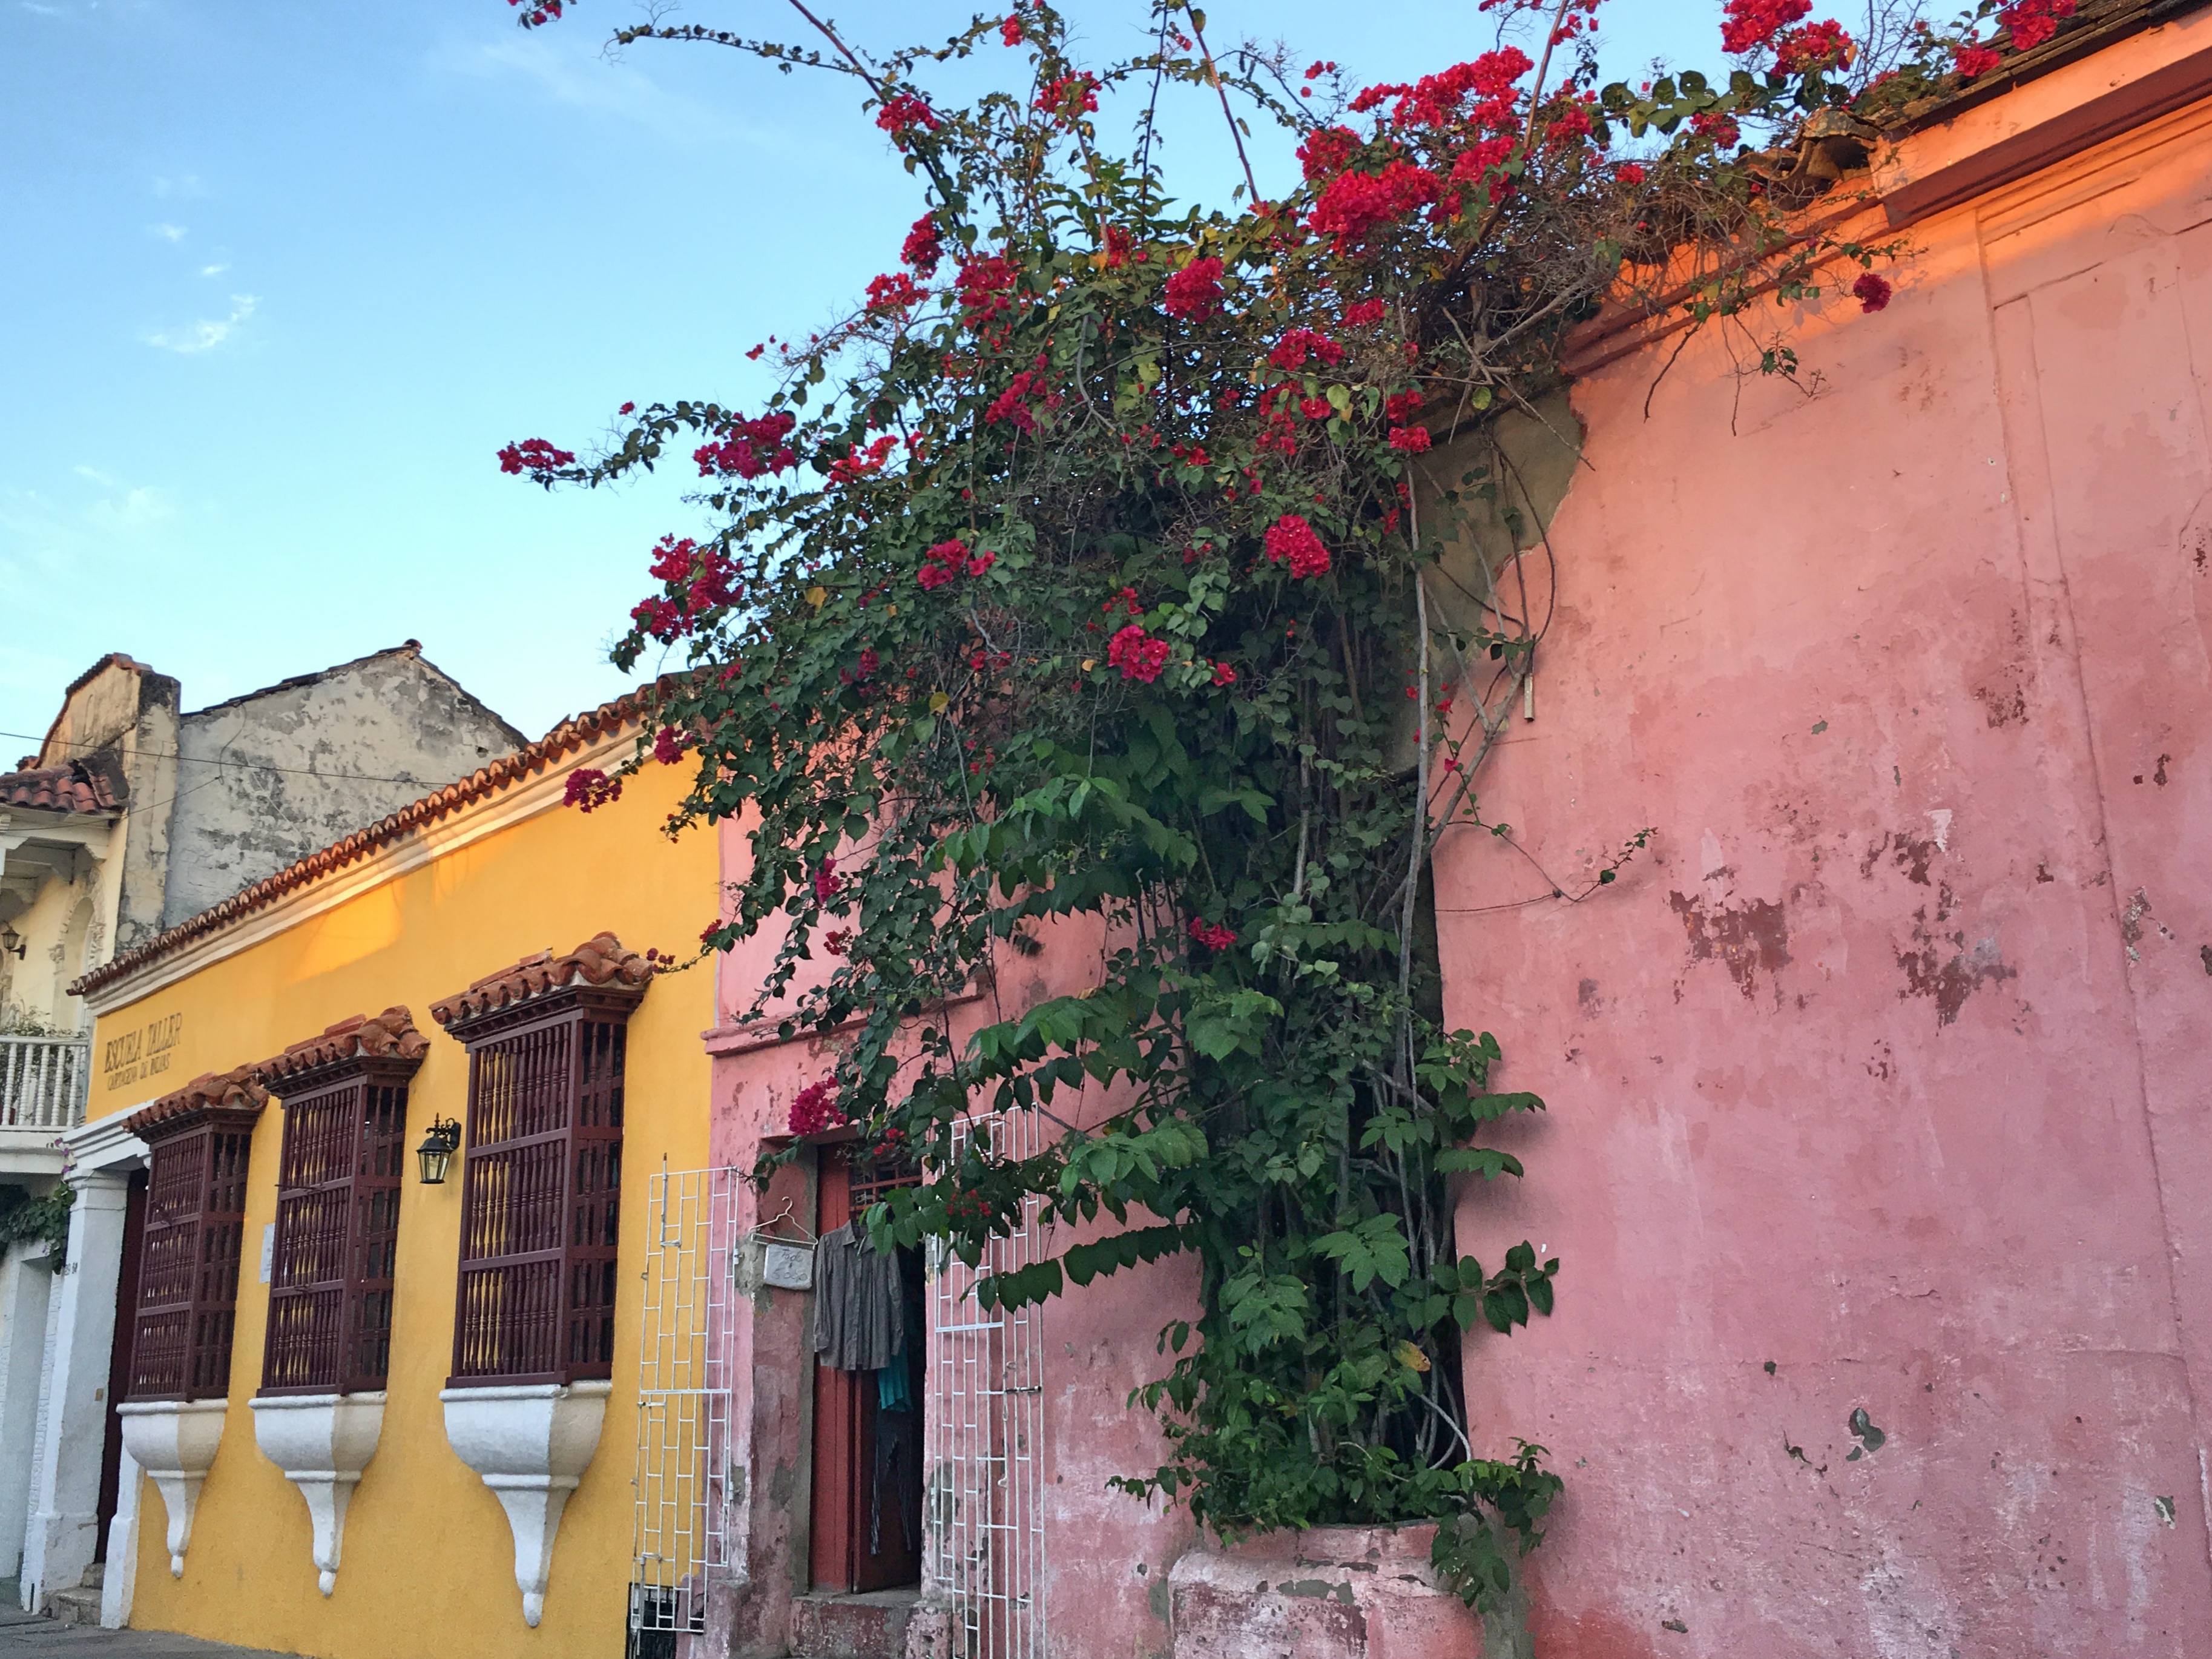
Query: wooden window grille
column 344, row 1160
column 195, row 1232
column 541, row 1194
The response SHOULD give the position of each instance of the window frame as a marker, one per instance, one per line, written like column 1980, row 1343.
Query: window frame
column 582, row 1251
column 370, row 1092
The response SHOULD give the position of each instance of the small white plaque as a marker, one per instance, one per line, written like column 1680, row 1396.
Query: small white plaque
column 268, row 1251
column 788, row 1266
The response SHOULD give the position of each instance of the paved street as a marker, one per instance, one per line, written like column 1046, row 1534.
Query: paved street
column 25, row 1633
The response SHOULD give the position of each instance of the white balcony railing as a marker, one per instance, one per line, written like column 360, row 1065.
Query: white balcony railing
column 44, row 1082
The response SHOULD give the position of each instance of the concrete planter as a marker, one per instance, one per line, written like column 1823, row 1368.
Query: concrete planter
column 531, row 1445
column 322, row 1442
column 1332, row 1592
column 174, row 1441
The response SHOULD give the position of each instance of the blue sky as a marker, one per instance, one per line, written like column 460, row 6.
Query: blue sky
column 281, row 277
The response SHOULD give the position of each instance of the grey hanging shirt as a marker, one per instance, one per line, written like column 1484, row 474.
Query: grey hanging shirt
column 858, row 1323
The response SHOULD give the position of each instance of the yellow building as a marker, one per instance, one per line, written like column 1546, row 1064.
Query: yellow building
column 312, row 1459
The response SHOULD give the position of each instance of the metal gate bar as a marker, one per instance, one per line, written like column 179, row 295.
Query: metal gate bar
column 684, row 1398
column 984, row 1420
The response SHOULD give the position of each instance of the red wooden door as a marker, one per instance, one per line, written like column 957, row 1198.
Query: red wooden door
column 860, row 1540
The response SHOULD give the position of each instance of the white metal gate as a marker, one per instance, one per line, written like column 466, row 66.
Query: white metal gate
column 984, row 1419
column 684, row 1445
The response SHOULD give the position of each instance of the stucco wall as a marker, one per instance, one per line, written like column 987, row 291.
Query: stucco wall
column 1879, row 1083
column 428, row 1563
column 266, row 779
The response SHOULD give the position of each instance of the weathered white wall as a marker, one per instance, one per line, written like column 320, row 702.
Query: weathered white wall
column 265, row 778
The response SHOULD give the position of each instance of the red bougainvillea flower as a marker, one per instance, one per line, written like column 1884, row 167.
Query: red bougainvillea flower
column 748, row 448
column 2031, row 22
column 1315, row 409
column 897, row 292
column 1115, row 248
column 838, row 940
column 668, row 746
column 1224, row 674
column 986, row 287
column 1629, row 172
column 1976, row 60
column 903, row 114
column 588, row 788
column 1402, row 406
column 1293, row 538
column 1212, row 935
column 923, row 247
column 1136, row 655
column 1010, row 32
column 1822, row 45
column 1326, row 150
column 534, row 456
column 1872, row 292
column 1413, row 439
column 827, row 884
column 814, row 1109
column 1712, row 123
column 1194, row 291
column 942, row 563
column 1070, row 96
column 1292, row 351
column 1364, row 313
column 1748, row 25
column 1356, row 203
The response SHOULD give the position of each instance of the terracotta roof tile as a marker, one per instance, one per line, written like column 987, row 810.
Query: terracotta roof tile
column 563, row 740
column 238, row 1090
column 600, row 960
column 79, row 787
column 390, row 1036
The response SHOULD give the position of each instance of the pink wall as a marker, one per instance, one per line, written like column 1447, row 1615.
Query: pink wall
column 1882, row 1081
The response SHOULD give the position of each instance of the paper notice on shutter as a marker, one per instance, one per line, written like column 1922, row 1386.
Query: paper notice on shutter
column 268, row 1251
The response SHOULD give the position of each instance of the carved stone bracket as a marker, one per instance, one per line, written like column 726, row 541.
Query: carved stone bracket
column 531, row 1443
column 174, row 1441
column 322, row 1442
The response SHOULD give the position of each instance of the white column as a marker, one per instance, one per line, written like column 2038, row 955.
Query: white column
column 25, row 1281
column 57, row 1544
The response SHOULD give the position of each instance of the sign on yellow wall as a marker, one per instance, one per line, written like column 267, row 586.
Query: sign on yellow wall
column 143, row 1052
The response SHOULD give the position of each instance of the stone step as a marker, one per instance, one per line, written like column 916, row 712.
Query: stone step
column 871, row 1625
column 75, row 1606
column 95, row 1574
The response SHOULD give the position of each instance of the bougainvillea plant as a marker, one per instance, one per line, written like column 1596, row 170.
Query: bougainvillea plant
column 1077, row 581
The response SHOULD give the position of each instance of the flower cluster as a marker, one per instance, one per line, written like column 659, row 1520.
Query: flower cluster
column 827, row 884
column 1293, row 351
column 668, row 745
column 536, row 457
column 589, row 787
column 1355, row 204
column 814, row 1109
column 1748, row 25
column 947, row 560
column 896, row 292
column 986, row 287
column 698, row 579
column 748, row 448
column 1026, row 389
column 924, row 247
column 903, row 113
column 1070, row 96
column 1872, row 292
column 1293, row 538
column 1195, row 292
column 2031, row 22
column 1137, row 654
column 1212, row 935
column 865, row 460
column 1817, row 46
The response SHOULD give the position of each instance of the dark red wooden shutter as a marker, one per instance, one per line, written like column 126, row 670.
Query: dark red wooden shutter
column 337, row 1226
column 541, row 1199
column 195, row 1233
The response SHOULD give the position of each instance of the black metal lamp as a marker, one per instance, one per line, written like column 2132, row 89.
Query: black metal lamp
column 436, row 1151
column 11, row 941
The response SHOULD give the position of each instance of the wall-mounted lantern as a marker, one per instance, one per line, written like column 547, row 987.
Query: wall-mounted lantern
column 11, row 941
column 436, row 1151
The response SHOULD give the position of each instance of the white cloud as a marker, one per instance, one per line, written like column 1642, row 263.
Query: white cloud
column 167, row 233
column 205, row 336
column 213, row 271
column 181, row 184
column 586, row 81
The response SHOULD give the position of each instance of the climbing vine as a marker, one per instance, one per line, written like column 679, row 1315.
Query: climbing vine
column 1082, row 584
